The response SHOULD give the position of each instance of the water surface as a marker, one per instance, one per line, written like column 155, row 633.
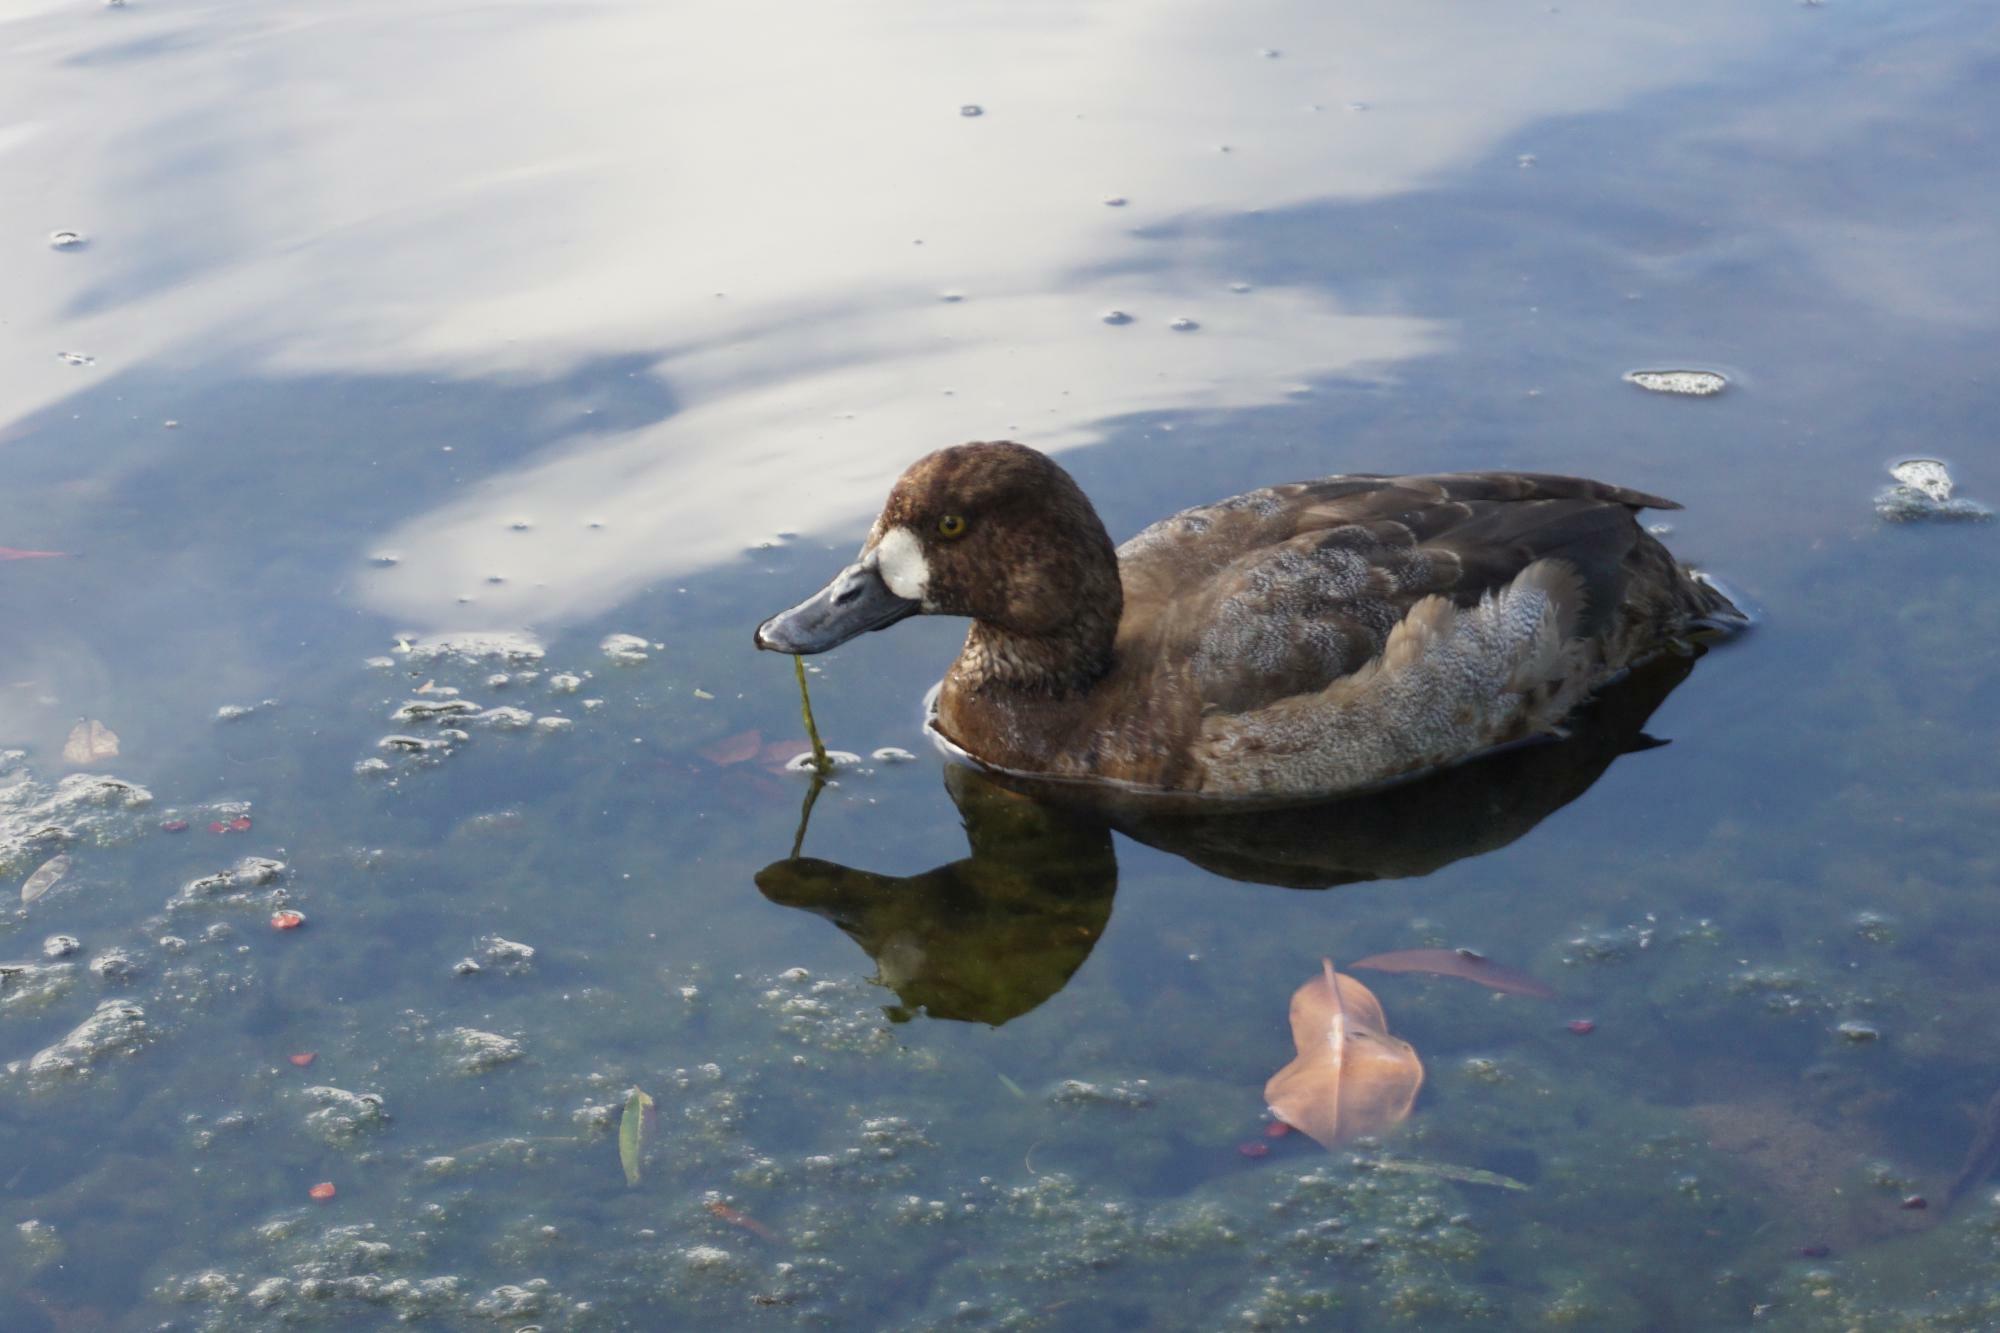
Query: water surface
column 496, row 330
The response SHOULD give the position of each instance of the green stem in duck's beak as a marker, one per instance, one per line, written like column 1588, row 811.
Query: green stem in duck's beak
column 855, row 602
column 821, row 764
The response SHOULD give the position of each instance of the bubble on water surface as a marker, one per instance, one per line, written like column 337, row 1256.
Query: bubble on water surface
column 1688, row 383
column 1115, row 317
column 67, row 240
column 1115, row 201
column 1182, row 324
column 76, row 358
column 803, row 763
column 971, row 109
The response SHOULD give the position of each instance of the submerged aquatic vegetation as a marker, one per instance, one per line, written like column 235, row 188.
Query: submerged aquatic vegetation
column 1465, row 1175
column 1688, row 383
column 1461, row 963
column 1923, row 491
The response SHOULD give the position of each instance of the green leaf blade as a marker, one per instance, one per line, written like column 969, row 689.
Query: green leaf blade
column 631, row 1132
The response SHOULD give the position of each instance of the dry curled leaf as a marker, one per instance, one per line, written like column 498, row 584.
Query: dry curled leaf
column 1350, row 1077
column 45, row 877
column 90, row 742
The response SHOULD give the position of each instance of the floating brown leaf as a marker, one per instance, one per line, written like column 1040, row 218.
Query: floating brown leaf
column 1350, row 1077
column 1461, row 963
column 89, row 741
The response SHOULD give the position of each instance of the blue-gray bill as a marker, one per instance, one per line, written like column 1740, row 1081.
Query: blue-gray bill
column 855, row 602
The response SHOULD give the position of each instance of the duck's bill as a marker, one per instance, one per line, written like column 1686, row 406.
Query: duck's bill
column 855, row 602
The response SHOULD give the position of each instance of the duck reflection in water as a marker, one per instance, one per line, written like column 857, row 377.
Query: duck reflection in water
column 988, row 938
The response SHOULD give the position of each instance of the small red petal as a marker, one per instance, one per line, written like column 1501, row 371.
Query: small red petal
column 240, row 824
column 174, row 826
column 1916, row 1201
column 322, row 1191
column 1277, row 1129
column 287, row 920
column 1254, row 1149
column 218, row 827
column 304, row 1058
column 1582, row 1027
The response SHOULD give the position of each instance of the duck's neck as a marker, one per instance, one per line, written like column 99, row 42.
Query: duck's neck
column 1066, row 661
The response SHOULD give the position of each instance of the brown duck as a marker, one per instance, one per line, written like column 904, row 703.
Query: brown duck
column 1293, row 642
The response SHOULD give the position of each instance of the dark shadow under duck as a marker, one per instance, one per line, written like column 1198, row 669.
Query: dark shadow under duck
column 991, row 936
column 1291, row 643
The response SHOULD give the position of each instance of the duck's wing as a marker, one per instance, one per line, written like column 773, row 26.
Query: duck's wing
column 1282, row 591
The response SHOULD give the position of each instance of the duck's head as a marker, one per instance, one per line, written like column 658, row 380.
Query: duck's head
column 994, row 531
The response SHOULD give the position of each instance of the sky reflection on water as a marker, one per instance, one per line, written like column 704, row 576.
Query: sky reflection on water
column 775, row 220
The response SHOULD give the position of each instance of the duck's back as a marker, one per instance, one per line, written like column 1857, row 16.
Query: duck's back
column 1279, row 611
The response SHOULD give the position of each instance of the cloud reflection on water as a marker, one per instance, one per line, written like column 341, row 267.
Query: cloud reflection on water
column 510, row 189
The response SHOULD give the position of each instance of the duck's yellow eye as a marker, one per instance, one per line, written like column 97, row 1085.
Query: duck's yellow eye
column 951, row 526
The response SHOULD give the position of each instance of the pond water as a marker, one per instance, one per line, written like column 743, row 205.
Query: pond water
column 405, row 349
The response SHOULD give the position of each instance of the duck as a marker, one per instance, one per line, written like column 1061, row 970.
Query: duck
column 1296, row 642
